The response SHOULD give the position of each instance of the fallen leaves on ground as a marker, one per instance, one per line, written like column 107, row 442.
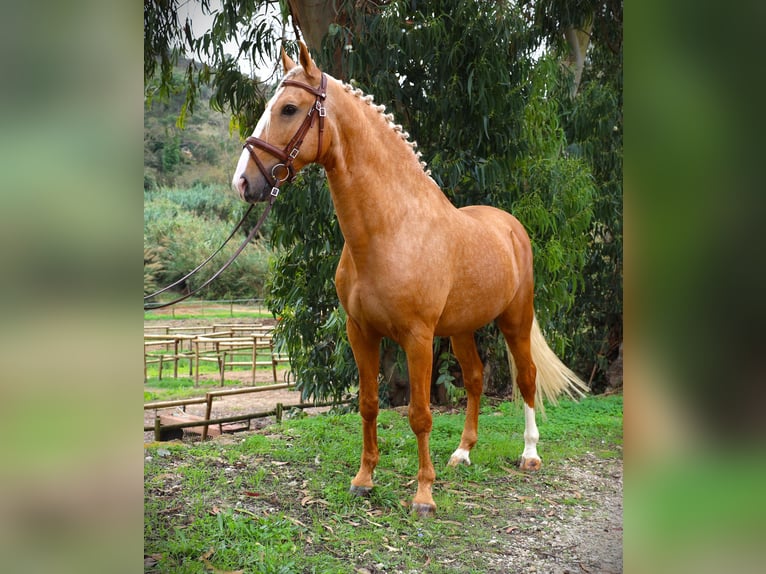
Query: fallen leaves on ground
column 210, row 568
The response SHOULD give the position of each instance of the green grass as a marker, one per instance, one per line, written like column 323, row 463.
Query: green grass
column 201, row 309
column 208, row 314
column 277, row 500
column 170, row 388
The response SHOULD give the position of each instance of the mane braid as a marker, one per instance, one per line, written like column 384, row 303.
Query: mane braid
column 397, row 128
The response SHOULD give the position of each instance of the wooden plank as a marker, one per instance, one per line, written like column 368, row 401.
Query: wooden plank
column 174, row 403
column 158, row 342
column 180, row 417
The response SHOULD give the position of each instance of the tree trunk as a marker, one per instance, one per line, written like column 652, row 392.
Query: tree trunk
column 578, row 40
column 313, row 17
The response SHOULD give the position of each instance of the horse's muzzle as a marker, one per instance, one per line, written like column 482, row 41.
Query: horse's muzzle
column 252, row 193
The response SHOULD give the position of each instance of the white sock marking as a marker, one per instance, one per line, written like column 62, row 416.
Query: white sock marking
column 461, row 455
column 531, row 434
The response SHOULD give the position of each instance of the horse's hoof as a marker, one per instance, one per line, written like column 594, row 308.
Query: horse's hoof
column 460, row 456
column 360, row 490
column 530, row 464
column 424, row 510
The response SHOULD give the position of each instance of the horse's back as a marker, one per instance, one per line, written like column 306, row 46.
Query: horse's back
column 494, row 219
column 495, row 232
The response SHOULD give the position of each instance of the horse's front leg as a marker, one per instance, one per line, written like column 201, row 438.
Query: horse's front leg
column 366, row 348
column 419, row 352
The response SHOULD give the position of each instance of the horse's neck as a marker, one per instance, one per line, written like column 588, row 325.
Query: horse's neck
column 376, row 179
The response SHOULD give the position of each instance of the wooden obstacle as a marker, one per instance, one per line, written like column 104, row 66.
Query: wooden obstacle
column 226, row 345
column 175, row 417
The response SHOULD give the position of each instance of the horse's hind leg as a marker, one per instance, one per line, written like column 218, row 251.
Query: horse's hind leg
column 366, row 350
column 516, row 329
column 464, row 347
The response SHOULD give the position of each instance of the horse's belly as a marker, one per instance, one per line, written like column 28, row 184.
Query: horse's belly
column 478, row 295
column 470, row 314
column 392, row 316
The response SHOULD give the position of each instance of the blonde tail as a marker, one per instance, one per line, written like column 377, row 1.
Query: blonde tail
column 553, row 376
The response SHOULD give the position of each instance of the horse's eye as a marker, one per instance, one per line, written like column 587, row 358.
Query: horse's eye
column 289, row 110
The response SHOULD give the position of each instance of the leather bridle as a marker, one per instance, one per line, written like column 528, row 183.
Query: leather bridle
column 285, row 171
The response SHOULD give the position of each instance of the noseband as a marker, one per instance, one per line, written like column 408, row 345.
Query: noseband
column 284, row 171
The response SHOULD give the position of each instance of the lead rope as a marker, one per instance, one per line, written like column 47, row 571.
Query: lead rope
column 205, row 262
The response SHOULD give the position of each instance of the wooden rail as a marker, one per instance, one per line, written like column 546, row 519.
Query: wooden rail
column 227, row 345
column 277, row 412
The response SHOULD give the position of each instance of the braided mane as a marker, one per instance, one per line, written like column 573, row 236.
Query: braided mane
column 381, row 109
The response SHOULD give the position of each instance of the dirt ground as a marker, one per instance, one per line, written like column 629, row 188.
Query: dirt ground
column 228, row 406
column 236, row 405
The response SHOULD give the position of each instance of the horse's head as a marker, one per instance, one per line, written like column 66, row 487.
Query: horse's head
column 288, row 134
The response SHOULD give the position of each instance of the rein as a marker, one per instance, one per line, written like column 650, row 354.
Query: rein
column 201, row 265
column 248, row 239
column 286, row 156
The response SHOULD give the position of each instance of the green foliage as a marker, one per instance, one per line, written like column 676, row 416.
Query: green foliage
column 152, row 267
column 593, row 122
column 444, row 377
column 555, row 198
column 198, row 150
column 171, row 153
column 250, row 25
column 183, row 227
column 596, row 126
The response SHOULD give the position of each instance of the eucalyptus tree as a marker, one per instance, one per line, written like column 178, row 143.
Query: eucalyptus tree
column 593, row 121
column 479, row 86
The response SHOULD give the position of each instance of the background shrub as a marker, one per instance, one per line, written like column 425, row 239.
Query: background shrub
column 182, row 227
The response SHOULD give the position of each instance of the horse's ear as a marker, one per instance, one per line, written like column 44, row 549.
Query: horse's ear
column 287, row 61
column 309, row 68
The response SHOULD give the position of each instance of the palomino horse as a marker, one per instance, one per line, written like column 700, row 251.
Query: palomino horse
column 413, row 266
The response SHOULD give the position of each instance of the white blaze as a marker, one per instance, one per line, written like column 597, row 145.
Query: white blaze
column 259, row 132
